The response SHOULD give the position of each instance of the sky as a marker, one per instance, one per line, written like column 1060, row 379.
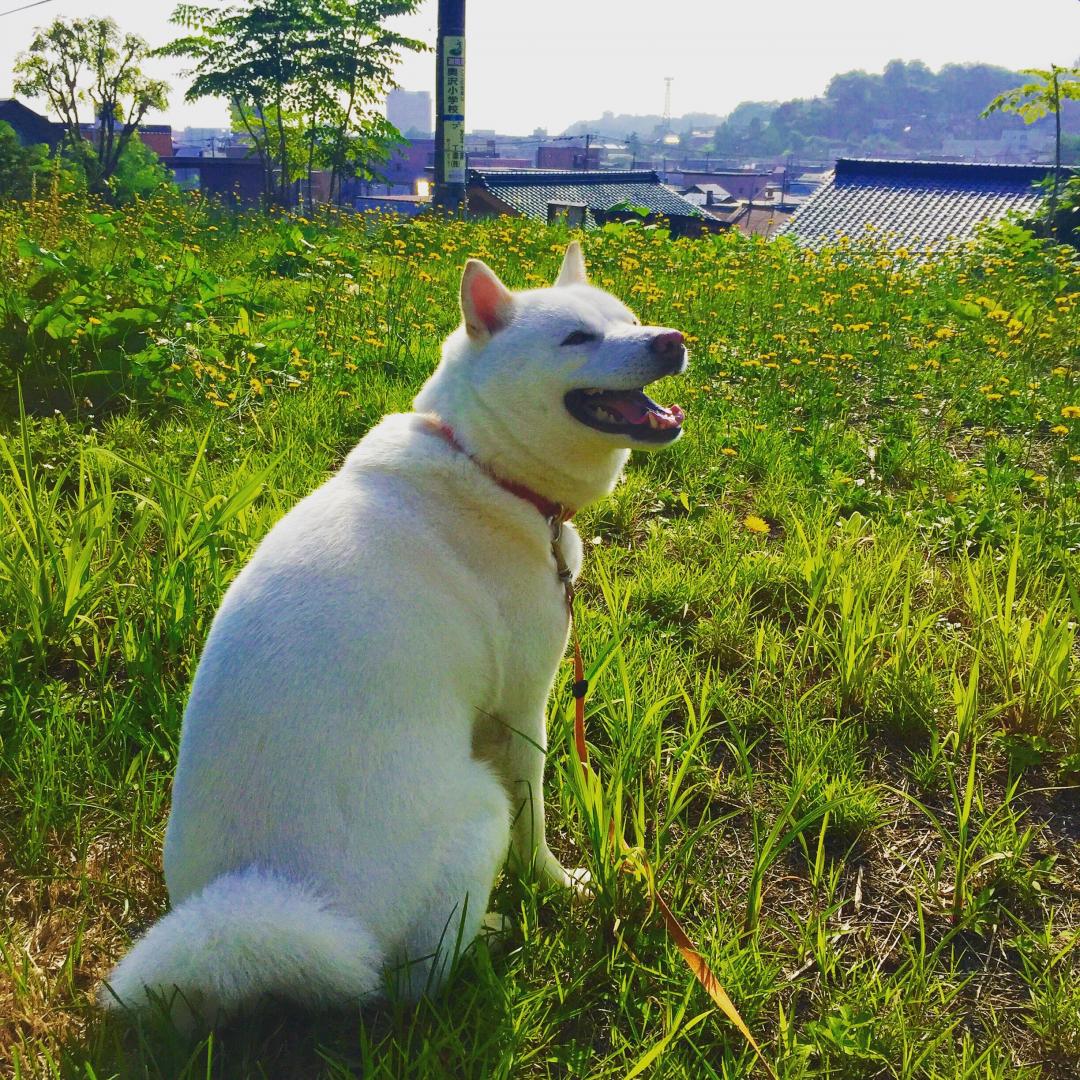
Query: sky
column 551, row 62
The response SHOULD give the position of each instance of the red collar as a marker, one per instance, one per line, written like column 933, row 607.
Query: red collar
column 551, row 511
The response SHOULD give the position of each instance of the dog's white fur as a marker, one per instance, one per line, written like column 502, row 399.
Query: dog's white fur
column 365, row 735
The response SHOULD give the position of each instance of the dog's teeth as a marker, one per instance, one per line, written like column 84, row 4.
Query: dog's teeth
column 653, row 423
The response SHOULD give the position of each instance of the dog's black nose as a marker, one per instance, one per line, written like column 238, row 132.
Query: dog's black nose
column 670, row 348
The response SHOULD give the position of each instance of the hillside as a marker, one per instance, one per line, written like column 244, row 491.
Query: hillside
column 907, row 110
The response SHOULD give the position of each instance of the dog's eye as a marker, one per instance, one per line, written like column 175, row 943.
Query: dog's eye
column 579, row 337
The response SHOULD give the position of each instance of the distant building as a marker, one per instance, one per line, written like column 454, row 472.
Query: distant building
column 497, row 161
column 806, row 183
column 410, row 162
column 740, row 184
column 568, row 157
column 31, row 128
column 918, row 205
column 203, row 142
column 158, row 137
column 410, row 111
column 203, row 135
column 1011, row 145
column 708, row 195
column 238, row 181
column 585, row 200
column 757, row 219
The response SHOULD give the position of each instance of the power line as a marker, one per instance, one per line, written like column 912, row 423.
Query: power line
column 25, row 7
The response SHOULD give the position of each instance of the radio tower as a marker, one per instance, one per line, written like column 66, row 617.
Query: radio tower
column 668, row 80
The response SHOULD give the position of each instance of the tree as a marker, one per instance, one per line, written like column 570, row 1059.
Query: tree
column 79, row 62
column 19, row 164
column 1037, row 99
column 138, row 173
column 301, row 77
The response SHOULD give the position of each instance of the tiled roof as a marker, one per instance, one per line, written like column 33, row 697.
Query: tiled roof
column 528, row 191
column 763, row 221
column 913, row 204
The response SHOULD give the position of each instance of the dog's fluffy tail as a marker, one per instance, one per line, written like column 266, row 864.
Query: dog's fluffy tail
column 246, row 936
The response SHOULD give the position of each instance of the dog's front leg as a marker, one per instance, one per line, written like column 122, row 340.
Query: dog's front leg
column 526, row 752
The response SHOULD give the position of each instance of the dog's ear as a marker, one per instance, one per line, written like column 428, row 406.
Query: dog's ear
column 486, row 303
column 573, row 266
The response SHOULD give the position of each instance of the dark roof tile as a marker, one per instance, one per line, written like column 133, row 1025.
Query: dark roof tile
column 914, row 204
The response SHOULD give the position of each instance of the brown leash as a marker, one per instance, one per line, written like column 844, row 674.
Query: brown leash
column 633, row 861
column 581, row 684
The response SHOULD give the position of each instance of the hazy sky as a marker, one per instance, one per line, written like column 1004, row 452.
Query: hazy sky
column 551, row 62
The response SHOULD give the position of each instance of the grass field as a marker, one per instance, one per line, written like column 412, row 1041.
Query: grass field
column 835, row 696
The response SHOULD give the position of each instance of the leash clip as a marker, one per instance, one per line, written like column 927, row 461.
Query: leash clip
column 562, row 571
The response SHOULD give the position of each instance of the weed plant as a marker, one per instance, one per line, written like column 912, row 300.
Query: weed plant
column 832, row 636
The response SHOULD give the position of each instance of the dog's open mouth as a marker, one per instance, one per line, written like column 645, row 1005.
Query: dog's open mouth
column 625, row 412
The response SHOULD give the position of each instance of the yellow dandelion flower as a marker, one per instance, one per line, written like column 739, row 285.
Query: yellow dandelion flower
column 756, row 524
column 1070, row 412
column 729, row 451
column 1059, row 429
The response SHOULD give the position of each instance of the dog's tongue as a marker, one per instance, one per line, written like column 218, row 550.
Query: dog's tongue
column 636, row 408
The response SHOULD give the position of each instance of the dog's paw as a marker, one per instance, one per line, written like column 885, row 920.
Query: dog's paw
column 579, row 880
column 548, row 869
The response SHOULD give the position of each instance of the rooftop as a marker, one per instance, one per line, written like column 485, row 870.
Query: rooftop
column 914, row 204
column 528, row 191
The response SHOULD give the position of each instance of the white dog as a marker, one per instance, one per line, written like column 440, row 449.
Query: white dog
column 365, row 736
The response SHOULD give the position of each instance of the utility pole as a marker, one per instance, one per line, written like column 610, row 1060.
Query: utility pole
column 449, row 191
